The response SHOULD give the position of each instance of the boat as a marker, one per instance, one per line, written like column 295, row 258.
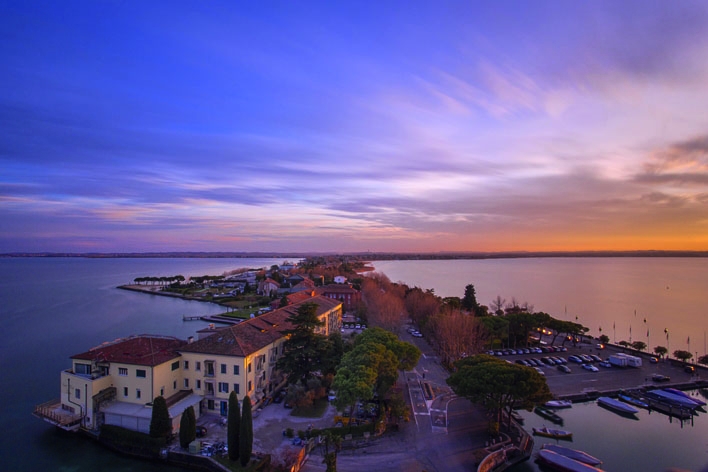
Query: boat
column 576, row 455
column 633, row 401
column 562, row 463
column 617, row 406
column 558, row 404
column 672, row 399
column 685, row 395
column 553, row 433
column 548, row 414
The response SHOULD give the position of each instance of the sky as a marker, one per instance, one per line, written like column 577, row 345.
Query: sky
column 348, row 126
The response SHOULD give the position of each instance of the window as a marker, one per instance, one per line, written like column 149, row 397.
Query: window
column 77, row 393
column 125, row 391
column 249, row 386
column 137, row 393
column 209, row 368
column 186, row 383
column 223, row 368
column 223, row 387
column 237, row 389
column 122, row 371
column 83, row 369
column 140, row 373
column 209, row 388
column 235, row 370
column 199, row 384
column 162, row 391
column 249, row 367
column 174, row 385
column 175, row 365
column 186, row 365
column 198, row 366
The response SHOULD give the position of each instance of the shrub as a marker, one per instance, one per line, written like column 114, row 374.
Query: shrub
column 160, row 423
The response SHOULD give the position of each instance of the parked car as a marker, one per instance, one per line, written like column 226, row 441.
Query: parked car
column 540, row 371
column 522, row 362
column 596, row 358
column 653, row 360
column 660, row 378
column 564, row 368
column 590, row 367
column 575, row 359
column 605, row 364
column 417, row 334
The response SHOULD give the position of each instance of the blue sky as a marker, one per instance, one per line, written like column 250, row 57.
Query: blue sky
column 350, row 126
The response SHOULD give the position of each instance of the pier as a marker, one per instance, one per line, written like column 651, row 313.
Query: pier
column 213, row 319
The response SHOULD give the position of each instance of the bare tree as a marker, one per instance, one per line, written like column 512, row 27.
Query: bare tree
column 498, row 304
column 457, row 335
column 384, row 301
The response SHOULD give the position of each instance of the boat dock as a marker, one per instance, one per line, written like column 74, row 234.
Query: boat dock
column 212, row 319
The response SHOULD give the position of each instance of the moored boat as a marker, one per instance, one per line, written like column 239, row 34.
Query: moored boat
column 553, row 433
column 672, row 399
column 617, row 406
column 548, row 414
column 576, row 455
column 558, row 404
column 676, row 391
column 562, row 463
column 633, row 401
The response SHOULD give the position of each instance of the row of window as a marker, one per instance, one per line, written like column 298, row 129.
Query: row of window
column 141, row 373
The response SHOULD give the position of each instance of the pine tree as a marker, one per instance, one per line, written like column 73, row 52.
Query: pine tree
column 233, row 432
column 187, row 428
column 160, row 423
column 246, row 440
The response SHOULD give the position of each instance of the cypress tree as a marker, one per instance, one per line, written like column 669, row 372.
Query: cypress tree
column 160, row 423
column 246, row 439
column 187, row 427
column 233, row 427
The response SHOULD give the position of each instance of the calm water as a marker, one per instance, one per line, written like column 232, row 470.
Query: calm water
column 670, row 293
column 53, row 308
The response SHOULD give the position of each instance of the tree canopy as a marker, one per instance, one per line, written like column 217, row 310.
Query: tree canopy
column 187, row 427
column 682, row 355
column 245, row 444
column 160, row 423
column 498, row 385
column 660, row 351
column 233, row 425
column 304, row 350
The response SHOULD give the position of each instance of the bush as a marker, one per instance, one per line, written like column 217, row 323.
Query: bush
column 289, row 432
column 131, row 442
column 160, row 424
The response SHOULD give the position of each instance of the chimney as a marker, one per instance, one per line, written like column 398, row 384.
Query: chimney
column 190, row 340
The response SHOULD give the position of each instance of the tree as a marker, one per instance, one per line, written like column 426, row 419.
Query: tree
column 624, row 343
column 498, row 305
column 605, row 339
column 332, row 444
column 498, row 385
column 497, row 329
column 245, row 444
column 233, row 424
column 703, row 359
column 304, row 350
column 469, row 301
column 660, row 351
column 283, row 302
column 682, row 355
column 457, row 335
column 187, row 427
column 639, row 345
column 160, row 423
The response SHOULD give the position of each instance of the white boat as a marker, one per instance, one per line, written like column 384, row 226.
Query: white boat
column 558, row 404
column 563, row 463
column 684, row 395
column 617, row 405
column 576, row 455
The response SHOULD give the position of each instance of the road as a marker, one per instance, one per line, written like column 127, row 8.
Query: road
column 440, row 437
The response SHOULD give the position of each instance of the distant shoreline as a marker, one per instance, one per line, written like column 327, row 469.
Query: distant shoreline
column 362, row 256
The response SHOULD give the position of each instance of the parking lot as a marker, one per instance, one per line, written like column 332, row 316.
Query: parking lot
column 582, row 380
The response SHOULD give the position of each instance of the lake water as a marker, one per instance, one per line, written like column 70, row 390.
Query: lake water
column 52, row 308
column 615, row 295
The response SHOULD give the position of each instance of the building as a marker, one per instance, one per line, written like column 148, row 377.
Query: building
column 116, row 382
column 242, row 357
column 268, row 287
column 348, row 295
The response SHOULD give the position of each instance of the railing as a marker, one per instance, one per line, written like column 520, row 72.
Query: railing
column 52, row 412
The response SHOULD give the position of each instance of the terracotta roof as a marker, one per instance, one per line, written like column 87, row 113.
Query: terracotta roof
column 254, row 334
column 300, row 296
column 148, row 350
column 337, row 288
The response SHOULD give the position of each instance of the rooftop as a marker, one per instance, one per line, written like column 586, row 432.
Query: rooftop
column 144, row 349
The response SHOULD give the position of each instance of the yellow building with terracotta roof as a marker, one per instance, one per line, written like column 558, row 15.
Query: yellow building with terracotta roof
column 116, row 382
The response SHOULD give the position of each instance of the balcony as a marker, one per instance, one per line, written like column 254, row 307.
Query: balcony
column 52, row 412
